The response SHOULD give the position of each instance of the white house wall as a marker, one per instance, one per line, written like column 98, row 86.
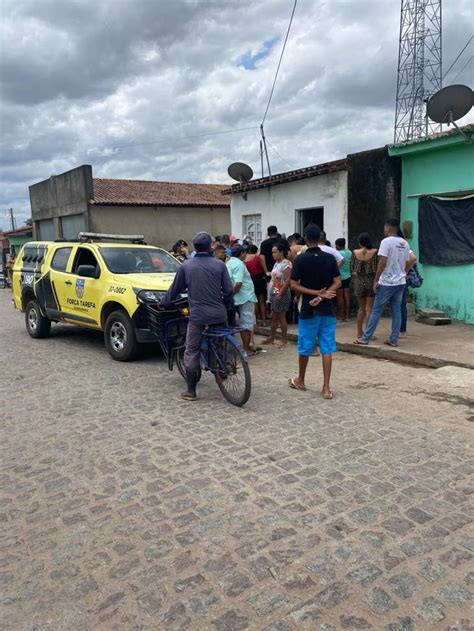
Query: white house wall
column 277, row 204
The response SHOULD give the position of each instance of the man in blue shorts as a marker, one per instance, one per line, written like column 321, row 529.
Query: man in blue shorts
column 317, row 277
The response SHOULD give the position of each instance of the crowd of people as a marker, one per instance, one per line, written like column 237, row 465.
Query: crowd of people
column 299, row 279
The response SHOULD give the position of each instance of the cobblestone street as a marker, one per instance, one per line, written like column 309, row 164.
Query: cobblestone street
column 122, row 507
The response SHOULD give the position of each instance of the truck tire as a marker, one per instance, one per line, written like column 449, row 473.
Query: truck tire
column 36, row 324
column 120, row 339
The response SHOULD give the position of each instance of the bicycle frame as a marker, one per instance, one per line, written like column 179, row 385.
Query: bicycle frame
column 213, row 358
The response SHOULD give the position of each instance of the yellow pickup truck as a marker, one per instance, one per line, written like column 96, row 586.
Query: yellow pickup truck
column 100, row 282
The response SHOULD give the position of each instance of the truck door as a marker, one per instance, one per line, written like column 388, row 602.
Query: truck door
column 82, row 295
column 50, row 288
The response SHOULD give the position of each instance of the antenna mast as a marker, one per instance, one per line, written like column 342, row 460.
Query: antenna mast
column 419, row 67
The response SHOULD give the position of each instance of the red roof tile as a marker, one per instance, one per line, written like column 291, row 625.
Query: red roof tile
column 144, row 192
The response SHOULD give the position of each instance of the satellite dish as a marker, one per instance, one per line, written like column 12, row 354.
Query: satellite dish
column 450, row 104
column 240, row 171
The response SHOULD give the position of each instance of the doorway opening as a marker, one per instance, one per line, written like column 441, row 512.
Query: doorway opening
column 305, row 216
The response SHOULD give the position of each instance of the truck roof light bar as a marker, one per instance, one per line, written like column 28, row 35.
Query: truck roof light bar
column 90, row 237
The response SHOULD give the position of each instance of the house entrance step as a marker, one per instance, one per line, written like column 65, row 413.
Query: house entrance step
column 431, row 313
column 434, row 321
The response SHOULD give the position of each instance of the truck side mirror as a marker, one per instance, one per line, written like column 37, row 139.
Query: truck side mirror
column 88, row 271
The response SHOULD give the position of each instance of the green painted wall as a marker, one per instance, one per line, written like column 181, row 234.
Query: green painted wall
column 17, row 241
column 436, row 166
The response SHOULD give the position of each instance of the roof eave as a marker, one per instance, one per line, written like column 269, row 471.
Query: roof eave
column 431, row 143
column 289, row 176
column 94, row 202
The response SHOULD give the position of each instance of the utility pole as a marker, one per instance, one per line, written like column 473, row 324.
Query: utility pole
column 10, row 214
column 265, row 148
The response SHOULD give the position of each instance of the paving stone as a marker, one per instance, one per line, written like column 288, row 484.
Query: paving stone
column 306, row 614
column 455, row 594
column 402, row 624
column 220, row 564
column 397, row 525
column 416, row 545
column 374, row 538
column 460, row 625
column 324, row 567
column 364, row 574
column 379, row 601
column 469, row 578
column 297, row 581
column 268, row 600
column 430, row 570
column 192, row 582
column 204, row 602
column 231, row 620
column 333, row 594
column 352, row 622
column 430, row 610
column 404, row 585
column 455, row 557
column 235, row 584
column 365, row 515
column 280, row 625
column 418, row 515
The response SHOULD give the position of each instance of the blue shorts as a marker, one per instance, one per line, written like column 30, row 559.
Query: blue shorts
column 317, row 327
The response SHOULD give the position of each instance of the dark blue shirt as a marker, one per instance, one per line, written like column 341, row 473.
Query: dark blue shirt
column 209, row 288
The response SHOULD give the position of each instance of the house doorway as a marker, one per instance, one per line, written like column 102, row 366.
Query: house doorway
column 305, row 216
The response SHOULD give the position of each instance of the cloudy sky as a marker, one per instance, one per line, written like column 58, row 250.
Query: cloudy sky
column 141, row 88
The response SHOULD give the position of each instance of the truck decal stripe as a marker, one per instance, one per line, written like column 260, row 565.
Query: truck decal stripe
column 62, row 315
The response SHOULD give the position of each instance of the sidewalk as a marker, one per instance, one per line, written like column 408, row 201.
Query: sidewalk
column 431, row 346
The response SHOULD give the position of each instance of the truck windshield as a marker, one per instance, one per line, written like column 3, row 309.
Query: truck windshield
column 139, row 261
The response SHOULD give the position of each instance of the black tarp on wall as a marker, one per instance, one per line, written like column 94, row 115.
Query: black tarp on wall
column 446, row 231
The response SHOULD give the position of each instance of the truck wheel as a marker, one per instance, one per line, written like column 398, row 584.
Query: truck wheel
column 36, row 324
column 120, row 338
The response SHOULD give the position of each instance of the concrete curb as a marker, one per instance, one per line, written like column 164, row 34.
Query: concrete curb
column 392, row 354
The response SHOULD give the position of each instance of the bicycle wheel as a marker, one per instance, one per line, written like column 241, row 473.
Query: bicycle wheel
column 180, row 364
column 233, row 373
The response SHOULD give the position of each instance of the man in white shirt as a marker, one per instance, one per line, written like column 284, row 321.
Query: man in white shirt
column 390, row 281
column 327, row 248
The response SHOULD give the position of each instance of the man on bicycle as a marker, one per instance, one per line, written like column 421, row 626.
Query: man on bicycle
column 207, row 282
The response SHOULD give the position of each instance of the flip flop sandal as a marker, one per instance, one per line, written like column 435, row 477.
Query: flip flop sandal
column 327, row 396
column 292, row 384
column 387, row 343
column 360, row 343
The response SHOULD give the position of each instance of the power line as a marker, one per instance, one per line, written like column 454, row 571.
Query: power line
column 292, row 166
column 463, row 68
column 454, row 62
column 158, row 140
column 279, row 62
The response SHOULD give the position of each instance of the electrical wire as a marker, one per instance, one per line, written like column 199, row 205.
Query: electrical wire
column 454, row 62
column 292, row 166
column 463, row 68
column 158, row 140
column 279, row 62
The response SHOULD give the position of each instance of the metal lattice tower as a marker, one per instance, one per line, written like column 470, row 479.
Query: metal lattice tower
column 419, row 67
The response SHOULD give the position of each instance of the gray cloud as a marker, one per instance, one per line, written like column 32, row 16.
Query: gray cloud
column 96, row 82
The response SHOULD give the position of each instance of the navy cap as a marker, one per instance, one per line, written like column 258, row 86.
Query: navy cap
column 202, row 240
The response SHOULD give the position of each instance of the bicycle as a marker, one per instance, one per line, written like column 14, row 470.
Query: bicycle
column 221, row 352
